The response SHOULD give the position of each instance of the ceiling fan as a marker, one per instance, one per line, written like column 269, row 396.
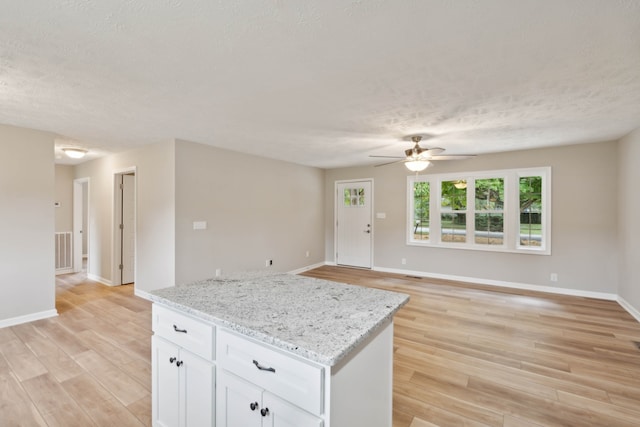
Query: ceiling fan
column 418, row 158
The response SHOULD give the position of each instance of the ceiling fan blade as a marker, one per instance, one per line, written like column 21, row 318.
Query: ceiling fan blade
column 389, row 157
column 453, row 157
column 433, row 151
column 390, row 163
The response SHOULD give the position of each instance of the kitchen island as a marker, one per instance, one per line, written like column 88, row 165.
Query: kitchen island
column 273, row 349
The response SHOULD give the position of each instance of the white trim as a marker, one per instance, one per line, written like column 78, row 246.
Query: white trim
column 64, row 271
column 503, row 284
column 630, row 309
column 307, row 268
column 142, row 294
column 99, row 279
column 115, row 249
column 511, row 241
column 28, row 318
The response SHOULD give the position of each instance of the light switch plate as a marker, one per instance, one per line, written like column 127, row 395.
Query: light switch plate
column 199, row 225
column 381, row 215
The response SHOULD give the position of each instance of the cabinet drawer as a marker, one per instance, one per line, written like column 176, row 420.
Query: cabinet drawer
column 194, row 335
column 294, row 380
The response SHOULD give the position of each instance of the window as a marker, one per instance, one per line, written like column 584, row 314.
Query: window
column 453, row 211
column 354, row 197
column 489, row 208
column 505, row 210
column 421, row 211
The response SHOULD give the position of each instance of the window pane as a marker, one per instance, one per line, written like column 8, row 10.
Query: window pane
column 490, row 194
column 354, row 197
column 421, row 211
column 453, row 227
column 489, row 229
column 531, row 211
column 454, row 195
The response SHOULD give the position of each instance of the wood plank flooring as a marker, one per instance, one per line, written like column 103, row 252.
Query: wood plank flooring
column 465, row 355
column 90, row 366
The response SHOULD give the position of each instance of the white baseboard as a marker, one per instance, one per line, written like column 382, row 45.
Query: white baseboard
column 64, row 271
column 631, row 309
column 28, row 318
column 503, row 284
column 99, row 279
column 142, row 294
column 307, row 268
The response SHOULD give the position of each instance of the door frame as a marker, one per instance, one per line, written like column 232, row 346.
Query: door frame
column 78, row 204
column 336, row 201
column 115, row 226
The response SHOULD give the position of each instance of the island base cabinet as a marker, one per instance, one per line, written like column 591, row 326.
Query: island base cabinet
column 243, row 404
column 183, row 387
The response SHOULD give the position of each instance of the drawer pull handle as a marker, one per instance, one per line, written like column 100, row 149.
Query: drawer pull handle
column 175, row 328
column 264, row 412
column 262, row 368
column 179, row 363
column 253, row 406
column 172, row 359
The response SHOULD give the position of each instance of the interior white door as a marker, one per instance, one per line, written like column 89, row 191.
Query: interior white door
column 77, row 225
column 354, row 228
column 128, row 228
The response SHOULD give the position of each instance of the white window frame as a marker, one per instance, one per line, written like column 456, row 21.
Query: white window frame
column 511, row 210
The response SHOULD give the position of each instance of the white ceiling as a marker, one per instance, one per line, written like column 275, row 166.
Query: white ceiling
column 322, row 83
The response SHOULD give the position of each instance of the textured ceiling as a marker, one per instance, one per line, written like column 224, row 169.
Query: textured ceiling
column 322, row 83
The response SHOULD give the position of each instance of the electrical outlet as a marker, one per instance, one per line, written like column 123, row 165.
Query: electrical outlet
column 218, row 272
column 404, row 261
column 306, row 254
column 554, row 277
column 268, row 263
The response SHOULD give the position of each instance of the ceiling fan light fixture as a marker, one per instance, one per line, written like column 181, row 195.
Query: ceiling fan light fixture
column 75, row 153
column 417, row 165
column 460, row 184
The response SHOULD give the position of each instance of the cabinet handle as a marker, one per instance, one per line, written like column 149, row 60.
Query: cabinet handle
column 262, row 368
column 175, row 328
column 172, row 359
column 179, row 363
column 253, row 406
column 264, row 412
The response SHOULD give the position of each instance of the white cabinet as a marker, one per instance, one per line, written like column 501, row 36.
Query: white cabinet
column 206, row 375
column 243, row 404
column 183, row 383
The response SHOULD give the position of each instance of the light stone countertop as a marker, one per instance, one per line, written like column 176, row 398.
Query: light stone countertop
column 316, row 319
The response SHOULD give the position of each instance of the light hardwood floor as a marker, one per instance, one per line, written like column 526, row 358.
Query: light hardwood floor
column 477, row 356
column 464, row 356
column 89, row 366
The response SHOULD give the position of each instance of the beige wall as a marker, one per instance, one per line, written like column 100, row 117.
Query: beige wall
column 27, row 224
column 64, row 196
column 628, row 218
column 155, row 209
column 584, row 221
column 255, row 208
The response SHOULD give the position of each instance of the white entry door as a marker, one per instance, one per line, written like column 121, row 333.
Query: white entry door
column 354, row 228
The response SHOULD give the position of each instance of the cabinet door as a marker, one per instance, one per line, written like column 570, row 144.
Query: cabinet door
column 239, row 402
column 284, row 414
column 165, row 383
column 198, row 398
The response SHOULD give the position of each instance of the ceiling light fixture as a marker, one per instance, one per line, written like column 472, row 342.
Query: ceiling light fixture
column 75, row 153
column 460, row 184
column 417, row 165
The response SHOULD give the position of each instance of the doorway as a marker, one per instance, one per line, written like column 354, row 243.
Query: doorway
column 354, row 226
column 80, row 225
column 124, row 227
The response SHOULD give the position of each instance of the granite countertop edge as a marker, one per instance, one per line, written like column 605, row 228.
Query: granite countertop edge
column 328, row 359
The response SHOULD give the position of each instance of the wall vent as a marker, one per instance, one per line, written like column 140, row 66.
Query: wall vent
column 64, row 252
